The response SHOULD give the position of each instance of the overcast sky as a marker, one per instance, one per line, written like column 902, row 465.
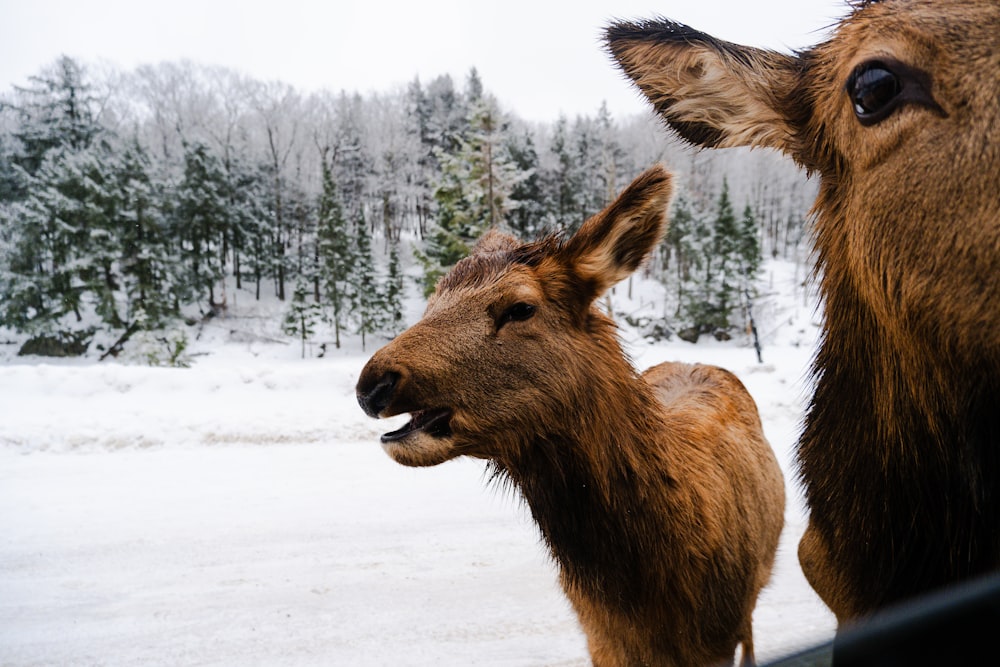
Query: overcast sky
column 540, row 59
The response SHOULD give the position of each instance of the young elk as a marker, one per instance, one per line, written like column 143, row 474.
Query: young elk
column 898, row 115
column 658, row 496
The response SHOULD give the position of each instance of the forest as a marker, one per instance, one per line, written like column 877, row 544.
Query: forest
column 136, row 201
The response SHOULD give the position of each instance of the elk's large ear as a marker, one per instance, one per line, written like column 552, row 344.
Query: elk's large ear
column 713, row 93
column 613, row 243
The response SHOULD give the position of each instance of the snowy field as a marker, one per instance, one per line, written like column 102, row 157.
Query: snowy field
column 241, row 512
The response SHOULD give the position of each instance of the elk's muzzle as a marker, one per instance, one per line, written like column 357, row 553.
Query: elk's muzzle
column 375, row 393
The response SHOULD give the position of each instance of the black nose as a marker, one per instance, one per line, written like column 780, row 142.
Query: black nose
column 373, row 400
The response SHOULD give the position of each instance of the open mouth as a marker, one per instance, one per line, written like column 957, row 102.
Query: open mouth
column 435, row 423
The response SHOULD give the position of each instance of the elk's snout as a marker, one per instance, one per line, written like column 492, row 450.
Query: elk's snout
column 375, row 391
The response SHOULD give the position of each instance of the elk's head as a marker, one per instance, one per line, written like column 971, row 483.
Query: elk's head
column 897, row 112
column 511, row 336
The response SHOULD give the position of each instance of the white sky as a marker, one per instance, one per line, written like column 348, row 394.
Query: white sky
column 540, row 59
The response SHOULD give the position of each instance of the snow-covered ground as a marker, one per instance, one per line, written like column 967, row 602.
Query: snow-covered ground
column 241, row 512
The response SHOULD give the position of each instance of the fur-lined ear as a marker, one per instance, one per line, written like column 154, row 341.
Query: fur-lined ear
column 613, row 243
column 712, row 93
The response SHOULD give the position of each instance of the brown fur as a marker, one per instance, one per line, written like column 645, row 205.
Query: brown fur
column 658, row 495
column 900, row 455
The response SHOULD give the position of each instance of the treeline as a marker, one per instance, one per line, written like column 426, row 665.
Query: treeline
column 127, row 200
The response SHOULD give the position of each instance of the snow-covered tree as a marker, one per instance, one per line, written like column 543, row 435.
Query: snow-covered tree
column 367, row 309
column 149, row 270
column 530, row 215
column 201, row 220
column 221, row 176
column 58, row 110
column 336, row 255
column 302, row 316
column 724, row 259
column 392, row 295
column 564, row 180
column 474, row 192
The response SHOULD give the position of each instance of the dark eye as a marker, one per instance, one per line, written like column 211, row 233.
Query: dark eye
column 874, row 91
column 516, row 313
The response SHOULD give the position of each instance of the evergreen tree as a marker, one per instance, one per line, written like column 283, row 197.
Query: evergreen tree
column 474, row 191
column 564, row 181
column 302, row 316
column 691, row 235
column 89, row 236
column 56, row 179
column 750, row 257
column 149, row 272
column 366, row 302
column 473, row 87
column 593, row 177
column 392, row 295
column 418, row 119
column 249, row 221
column 748, row 247
column 717, row 260
column 612, row 158
column 352, row 164
column 725, row 248
column 682, row 257
column 335, row 253
column 56, row 111
column 529, row 217
column 12, row 180
column 40, row 285
column 201, row 221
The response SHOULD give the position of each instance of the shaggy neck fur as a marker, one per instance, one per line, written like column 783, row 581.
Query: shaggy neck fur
column 914, row 471
column 617, row 515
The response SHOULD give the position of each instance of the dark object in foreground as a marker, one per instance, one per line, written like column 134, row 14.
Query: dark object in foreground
column 956, row 626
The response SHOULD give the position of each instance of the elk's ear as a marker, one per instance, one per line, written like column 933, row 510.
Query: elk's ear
column 613, row 243
column 713, row 93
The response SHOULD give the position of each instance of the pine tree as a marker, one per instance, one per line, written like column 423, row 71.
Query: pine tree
column 67, row 247
column 692, row 235
column 302, row 316
column 726, row 280
column 351, row 163
column 392, row 295
column 529, row 217
column 39, row 285
column 249, row 221
column 201, row 220
column 473, row 193
column 149, row 271
column 750, row 258
column 612, row 157
column 682, row 258
column 564, row 181
column 53, row 183
column 335, row 253
column 366, row 303
column 55, row 112
column 12, row 180
column 748, row 246
column 717, row 259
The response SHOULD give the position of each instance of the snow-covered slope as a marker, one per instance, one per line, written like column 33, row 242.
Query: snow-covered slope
column 241, row 512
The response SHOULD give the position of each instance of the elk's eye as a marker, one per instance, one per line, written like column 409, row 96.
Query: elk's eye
column 874, row 90
column 516, row 313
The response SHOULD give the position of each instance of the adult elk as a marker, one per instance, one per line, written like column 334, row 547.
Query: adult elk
column 898, row 114
column 657, row 495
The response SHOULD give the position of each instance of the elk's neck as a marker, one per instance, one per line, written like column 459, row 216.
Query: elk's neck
column 588, row 485
column 917, row 430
